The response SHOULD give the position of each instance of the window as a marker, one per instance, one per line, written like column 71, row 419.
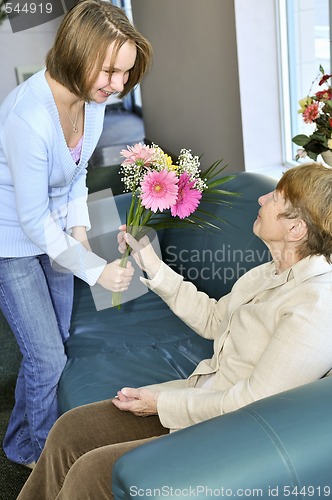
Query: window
column 304, row 29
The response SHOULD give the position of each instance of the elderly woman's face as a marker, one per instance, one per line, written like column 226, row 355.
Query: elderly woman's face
column 270, row 226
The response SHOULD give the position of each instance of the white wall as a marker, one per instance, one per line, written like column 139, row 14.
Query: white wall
column 191, row 95
column 259, row 78
column 26, row 48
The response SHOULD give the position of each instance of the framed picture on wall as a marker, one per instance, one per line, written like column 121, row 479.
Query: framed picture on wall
column 24, row 72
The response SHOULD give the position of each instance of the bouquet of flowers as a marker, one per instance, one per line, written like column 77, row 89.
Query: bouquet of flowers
column 167, row 194
column 316, row 109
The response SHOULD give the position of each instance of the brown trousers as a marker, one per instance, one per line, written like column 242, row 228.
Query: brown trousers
column 79, row 453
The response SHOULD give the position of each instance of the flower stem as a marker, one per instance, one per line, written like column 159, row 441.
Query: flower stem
column 116, row 296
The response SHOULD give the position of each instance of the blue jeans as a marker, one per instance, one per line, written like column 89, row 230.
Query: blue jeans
column 37, row 303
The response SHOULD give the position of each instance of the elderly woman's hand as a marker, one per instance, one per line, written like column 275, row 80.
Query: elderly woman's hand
column 140, row 402
column 142, row 251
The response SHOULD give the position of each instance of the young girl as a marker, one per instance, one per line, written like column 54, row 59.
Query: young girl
column 49, row 128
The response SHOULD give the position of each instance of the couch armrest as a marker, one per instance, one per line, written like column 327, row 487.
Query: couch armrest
column 279, row 446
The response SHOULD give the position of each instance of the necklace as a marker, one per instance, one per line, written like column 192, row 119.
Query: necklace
column 73, row 122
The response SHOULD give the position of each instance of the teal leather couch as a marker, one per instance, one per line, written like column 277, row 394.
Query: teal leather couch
column 271, row 448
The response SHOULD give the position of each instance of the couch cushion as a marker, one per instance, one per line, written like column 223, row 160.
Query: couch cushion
column 140, row 344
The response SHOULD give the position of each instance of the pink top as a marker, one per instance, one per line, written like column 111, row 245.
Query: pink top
column 76, row 151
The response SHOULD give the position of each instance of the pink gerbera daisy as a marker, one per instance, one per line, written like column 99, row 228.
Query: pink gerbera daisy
column 188, row 197
column 159, row 190
column 311, row 113
column 139, row 154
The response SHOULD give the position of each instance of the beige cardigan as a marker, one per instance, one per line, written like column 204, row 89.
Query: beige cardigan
column 271, row 333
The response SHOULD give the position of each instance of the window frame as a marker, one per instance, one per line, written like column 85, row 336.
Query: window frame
column 297, row 69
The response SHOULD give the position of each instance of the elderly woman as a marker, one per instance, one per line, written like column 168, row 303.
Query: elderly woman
column 255, row 354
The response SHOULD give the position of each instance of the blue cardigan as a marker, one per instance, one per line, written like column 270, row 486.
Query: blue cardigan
column 42, row 191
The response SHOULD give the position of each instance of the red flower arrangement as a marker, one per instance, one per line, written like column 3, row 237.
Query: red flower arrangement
column 316, row 110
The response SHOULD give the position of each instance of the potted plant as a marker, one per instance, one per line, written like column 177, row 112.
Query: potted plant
column 316, row 109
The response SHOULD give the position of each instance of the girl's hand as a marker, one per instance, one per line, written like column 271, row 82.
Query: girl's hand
column 116, row 278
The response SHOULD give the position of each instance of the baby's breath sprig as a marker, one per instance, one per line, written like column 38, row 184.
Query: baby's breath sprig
column 191, row 165
column 131, row 177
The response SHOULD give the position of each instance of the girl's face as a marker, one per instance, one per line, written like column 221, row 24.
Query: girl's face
column 105, row 86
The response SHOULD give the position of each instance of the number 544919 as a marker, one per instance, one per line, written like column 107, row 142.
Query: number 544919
column 309, row 491
column 28, row 8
